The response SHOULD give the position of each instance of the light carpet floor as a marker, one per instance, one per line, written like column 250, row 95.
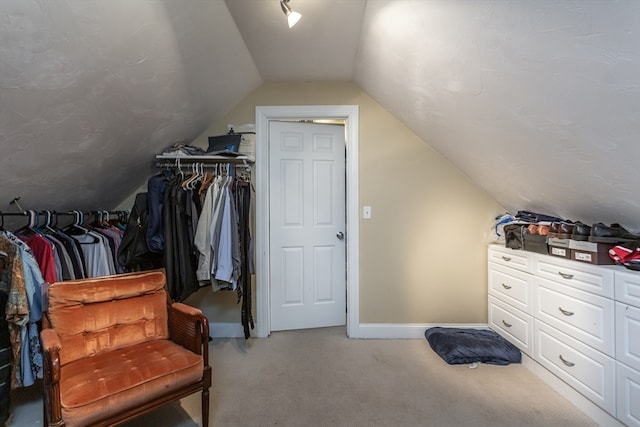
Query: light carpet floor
column 319, row 377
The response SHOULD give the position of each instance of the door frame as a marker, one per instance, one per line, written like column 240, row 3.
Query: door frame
column 264, row 114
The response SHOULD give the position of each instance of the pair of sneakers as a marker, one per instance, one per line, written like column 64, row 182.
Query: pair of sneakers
column 627, row 254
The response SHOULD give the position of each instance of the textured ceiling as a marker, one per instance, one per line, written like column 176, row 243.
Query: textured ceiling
column 537, row 102
column 322, row 46
column 91, row 90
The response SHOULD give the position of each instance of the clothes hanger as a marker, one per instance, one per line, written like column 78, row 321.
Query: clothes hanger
column 185, row 182
column 47, row 221
column 179, row 167
column 79, row 228
column 30, row 228
column 199, row 176
column 106, row 219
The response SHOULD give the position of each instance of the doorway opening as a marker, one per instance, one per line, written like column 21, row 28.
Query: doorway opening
column 348, row 114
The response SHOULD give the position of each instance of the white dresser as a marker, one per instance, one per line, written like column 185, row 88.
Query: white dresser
column 577, row 321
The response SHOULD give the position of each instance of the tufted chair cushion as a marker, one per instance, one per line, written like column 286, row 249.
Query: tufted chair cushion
column 98, row 315
column 124, row 378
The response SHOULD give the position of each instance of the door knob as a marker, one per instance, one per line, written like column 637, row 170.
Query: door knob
column 340, row 235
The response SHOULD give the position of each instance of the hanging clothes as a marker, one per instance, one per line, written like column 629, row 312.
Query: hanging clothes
column 30, row 260
column 246, row 254
column 22, row 281
column 223, row 241
column 156, row 186
column 205, row 237
column 179, row 255
column 6, row 355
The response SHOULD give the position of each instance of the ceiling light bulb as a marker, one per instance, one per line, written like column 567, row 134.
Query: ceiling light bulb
column 292, row 17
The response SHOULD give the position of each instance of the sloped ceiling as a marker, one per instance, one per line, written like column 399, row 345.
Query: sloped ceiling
column 537, row 102
column 91, row 90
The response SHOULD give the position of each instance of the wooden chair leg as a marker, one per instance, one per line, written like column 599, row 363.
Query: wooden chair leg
column 205, row 408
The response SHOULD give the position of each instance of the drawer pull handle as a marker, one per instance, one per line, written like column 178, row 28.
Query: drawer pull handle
column 566, row 362
column 565, row 275
column 506, row 286
column 565, row 312
column 508, row 325
column 506, row 258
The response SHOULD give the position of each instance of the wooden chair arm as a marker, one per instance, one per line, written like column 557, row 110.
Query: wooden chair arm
column 189, row 328
column 51, row 346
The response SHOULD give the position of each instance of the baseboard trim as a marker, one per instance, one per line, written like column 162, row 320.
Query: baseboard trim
column 404, row 330
column 363, row 330
column 599, row 415
column 226, row 330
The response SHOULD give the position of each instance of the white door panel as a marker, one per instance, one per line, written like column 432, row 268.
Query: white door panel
column 307, row 212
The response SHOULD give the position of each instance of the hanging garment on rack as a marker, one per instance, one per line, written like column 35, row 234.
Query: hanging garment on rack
column 6, row 356
column 43, row 251
column 226, row 247
column 25, row 286
column 179, row 255
column 246, row 255
column 133, row 253
column 113, row 238
column 74, row 251
column 214, row 239
column 95, row 255
column 156, row 186
column 202, row 238
column 64, row 269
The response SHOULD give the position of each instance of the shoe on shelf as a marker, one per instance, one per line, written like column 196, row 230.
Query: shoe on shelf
column 632, row 265
column 581, row 232
column 626, row 252
column 565, row 229
column 560, row 227
column 615, row 233
column 543, row 230
column 553, row 229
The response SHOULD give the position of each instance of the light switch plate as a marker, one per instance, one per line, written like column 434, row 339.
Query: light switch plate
column 366, row 212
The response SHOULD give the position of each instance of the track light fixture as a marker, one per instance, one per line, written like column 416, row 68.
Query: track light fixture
column 292, row 17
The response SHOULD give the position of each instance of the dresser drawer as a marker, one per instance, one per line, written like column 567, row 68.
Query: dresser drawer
column 628, row 387
column 598, row 280
column 512, row 324
column 510, row 258
column 512, row 286
column 628, row 287
column 588, row 371
column 584, row 316
column 628, row 335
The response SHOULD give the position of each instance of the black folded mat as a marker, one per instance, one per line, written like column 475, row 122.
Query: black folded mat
column 459, row 346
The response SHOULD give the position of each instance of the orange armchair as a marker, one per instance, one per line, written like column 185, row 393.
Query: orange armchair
column 117, row 347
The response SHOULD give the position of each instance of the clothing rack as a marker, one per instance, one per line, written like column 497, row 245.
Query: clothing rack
column 204, row 161
column 220, row 212
column 49, row 215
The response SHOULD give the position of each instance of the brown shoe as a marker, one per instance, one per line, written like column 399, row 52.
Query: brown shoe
column 553, row 229
column 565, row 230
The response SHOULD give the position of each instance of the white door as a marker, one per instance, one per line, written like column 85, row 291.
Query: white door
column 307, row 225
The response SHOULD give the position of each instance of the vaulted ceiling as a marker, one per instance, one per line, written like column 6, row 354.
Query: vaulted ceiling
column 538, row 102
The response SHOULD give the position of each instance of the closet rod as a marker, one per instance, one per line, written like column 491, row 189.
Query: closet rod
column 206, row 165
column 24, row 213
column 69, row 213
